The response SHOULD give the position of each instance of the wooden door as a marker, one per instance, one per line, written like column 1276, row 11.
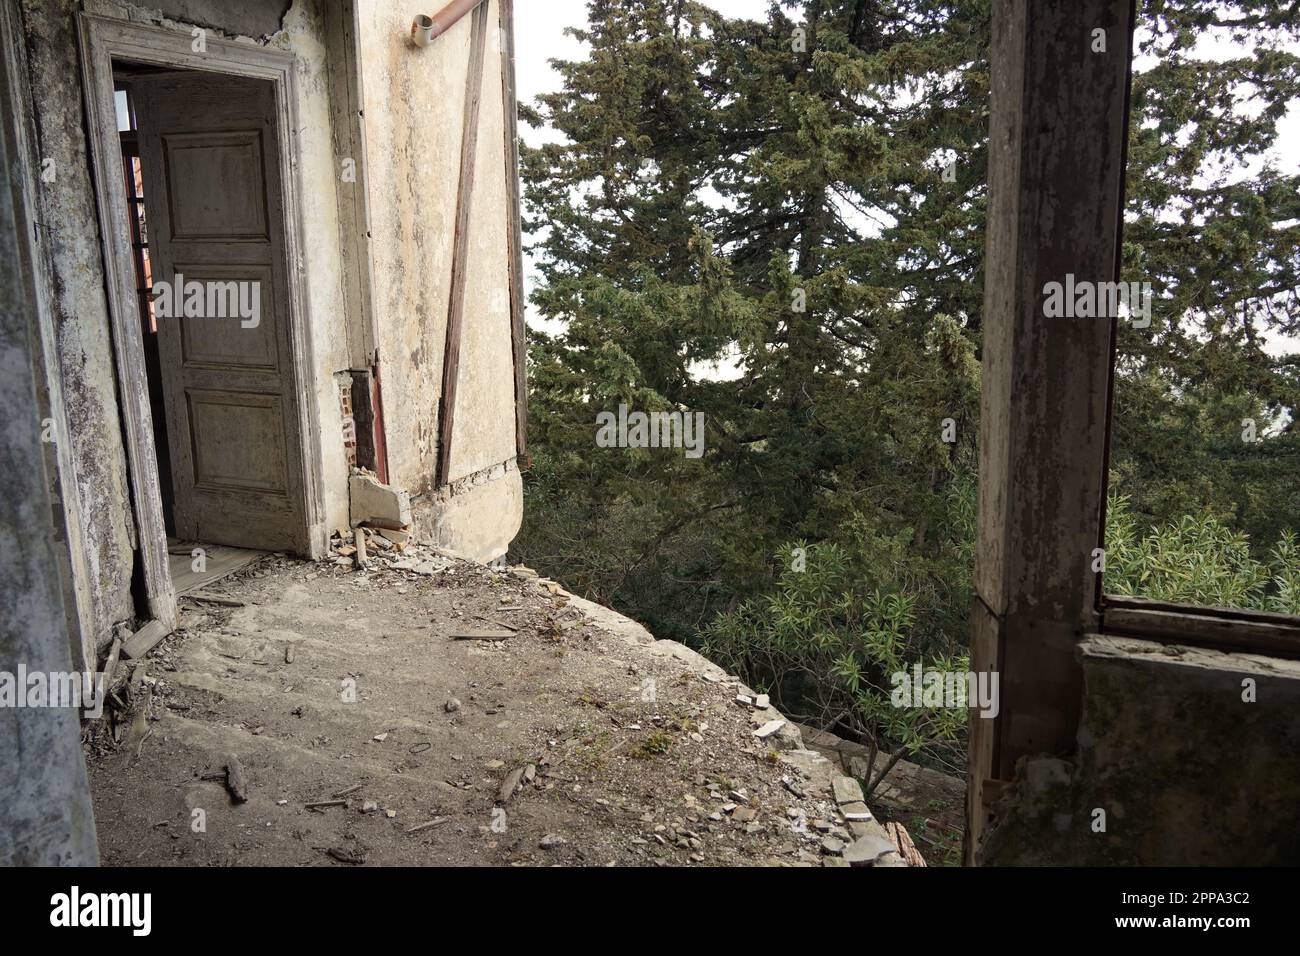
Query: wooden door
column 213, row 196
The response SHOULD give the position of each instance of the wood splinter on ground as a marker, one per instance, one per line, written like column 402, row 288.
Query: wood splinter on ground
column 427, row 824
column 326, row 804
column 236, row 780
column 482, row 635
column 903, row 840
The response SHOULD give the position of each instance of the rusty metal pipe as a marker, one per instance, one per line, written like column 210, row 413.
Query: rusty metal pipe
column 426, row 29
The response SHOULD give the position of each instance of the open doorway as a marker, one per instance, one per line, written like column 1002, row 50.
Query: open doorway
column 202, row 191
column 194, row 563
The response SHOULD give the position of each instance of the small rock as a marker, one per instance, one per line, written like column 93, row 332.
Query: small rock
column 451, row 706
column 771, row 727
column 551, row 840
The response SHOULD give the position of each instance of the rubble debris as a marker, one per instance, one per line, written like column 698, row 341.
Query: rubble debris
column 768, row 729
column 203, row 597
column 866, row 849
column 398, row 537
column 376, row 504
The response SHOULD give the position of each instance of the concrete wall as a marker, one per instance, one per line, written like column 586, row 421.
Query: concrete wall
column 1186, row 771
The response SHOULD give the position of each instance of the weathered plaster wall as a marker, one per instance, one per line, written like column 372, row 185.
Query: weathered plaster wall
column 1187, row 772
column 415, row 102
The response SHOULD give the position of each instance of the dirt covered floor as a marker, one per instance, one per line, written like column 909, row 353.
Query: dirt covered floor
column 392, row 700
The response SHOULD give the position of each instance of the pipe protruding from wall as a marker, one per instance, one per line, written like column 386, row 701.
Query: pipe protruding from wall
column 426, row 29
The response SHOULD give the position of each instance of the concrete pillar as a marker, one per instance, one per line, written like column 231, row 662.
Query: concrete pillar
column 1057, row 134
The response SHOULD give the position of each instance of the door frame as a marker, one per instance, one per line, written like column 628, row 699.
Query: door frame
column 103, row 39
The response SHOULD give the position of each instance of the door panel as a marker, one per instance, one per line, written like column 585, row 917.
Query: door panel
column 212, row 194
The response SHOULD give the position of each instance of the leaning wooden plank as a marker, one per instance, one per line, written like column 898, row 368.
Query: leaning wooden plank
column 144, row 640
column 460, row 245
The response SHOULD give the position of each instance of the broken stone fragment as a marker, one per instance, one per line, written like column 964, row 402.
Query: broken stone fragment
column 865, row 850
column 768, row 729
column 451, row 706
column 832, row 846
column 855, row 812
column 378, row 505
column 552, row 840
column 398, row 537
column 847, row 790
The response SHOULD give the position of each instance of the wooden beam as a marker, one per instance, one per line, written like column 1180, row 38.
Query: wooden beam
column 1057, row 136
column 518, row 338
column 460, row 243
column 347, row 106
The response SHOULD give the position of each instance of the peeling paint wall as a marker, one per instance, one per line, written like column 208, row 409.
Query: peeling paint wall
column 1185, row 770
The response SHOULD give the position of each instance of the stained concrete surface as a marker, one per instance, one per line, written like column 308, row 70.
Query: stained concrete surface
column 617, row 778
